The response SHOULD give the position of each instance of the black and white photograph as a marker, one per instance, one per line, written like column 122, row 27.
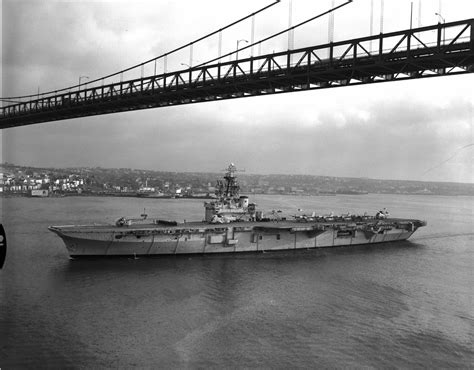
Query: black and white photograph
column 237, row 184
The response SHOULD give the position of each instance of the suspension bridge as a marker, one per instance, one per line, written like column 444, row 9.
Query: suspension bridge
column 413, row 53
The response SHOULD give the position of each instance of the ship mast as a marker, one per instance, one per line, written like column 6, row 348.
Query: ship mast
column 228, row 188
column 232, row 188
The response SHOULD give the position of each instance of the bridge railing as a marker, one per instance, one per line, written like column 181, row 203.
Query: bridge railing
column 441, row 38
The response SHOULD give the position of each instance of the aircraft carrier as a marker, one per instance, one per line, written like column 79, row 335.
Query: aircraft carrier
column 232, row 225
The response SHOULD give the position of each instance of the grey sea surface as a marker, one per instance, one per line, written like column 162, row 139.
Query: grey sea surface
column 398, row 305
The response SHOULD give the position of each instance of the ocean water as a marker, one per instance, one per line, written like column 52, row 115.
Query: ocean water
column 400, row 305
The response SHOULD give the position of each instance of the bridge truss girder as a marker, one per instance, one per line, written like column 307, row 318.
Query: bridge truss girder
column 402, row 55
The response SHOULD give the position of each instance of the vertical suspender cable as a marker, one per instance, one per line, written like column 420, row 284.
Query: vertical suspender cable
column 331, row 24
column 290, row 22
column 219, row 46
column 333, row 21
column 290, row 29
column 190, row 55
column 252, row 35
column 381, row 15
column 419, row 13
column 371, row 17
column 371, row 21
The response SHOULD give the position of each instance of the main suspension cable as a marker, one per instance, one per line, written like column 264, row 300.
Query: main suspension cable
column 11, row 99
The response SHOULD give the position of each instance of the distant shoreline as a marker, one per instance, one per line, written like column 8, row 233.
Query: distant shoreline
column 118, row 195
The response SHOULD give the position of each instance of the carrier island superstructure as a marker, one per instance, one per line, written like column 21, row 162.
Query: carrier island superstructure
column 232, row 224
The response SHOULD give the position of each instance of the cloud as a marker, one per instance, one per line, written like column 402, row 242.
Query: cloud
column 396, row 139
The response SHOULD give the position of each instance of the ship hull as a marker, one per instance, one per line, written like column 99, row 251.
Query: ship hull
column 205, row 239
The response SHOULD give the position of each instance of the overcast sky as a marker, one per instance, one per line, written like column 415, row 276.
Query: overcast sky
column 395, row 130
